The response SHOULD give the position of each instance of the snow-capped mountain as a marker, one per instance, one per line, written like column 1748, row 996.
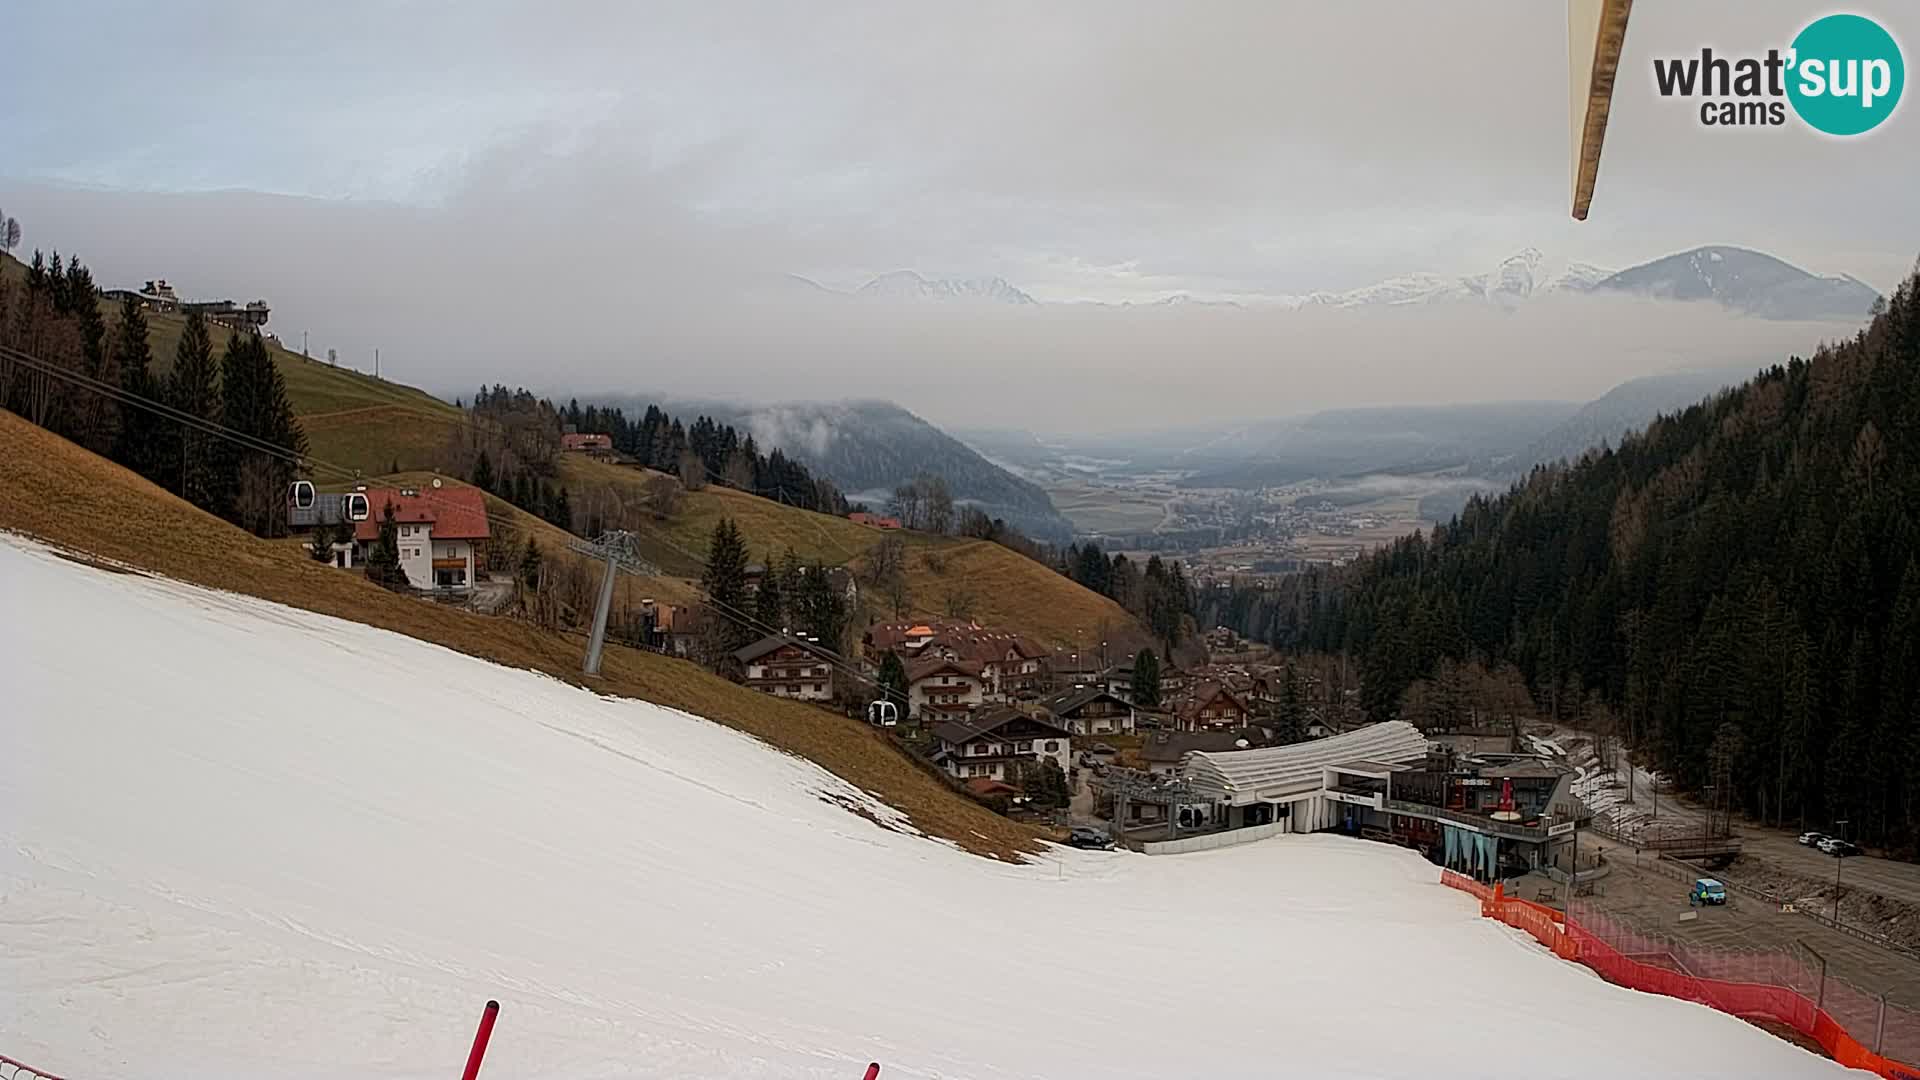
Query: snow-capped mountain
column 908, row 285
column 1518, row 278
column 1748, row 281
column 1190, row 300
column 1743, row 280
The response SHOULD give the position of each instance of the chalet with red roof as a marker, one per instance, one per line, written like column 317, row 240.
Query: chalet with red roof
column 861, row 517
column 1009, row 666
column 576, row 442
column 442, row 533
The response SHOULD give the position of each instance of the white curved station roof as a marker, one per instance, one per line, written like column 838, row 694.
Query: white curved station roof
column 1244, row 776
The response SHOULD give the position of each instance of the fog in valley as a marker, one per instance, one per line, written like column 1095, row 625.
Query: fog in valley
column 641, row 200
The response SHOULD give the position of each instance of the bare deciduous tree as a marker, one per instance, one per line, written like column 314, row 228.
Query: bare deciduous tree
column 885, row 560
column 907, row 504
column 897, row 594
column 739, row 470
column 959, row 601
column 939, row 499
column 663, row 496
column 693, row 471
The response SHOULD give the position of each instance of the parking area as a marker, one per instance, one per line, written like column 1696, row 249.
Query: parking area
column 1652, row 895
column 1893, row 880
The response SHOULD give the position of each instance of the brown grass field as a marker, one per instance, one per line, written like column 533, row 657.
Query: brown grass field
column 54, row 490
column 357, row 421
column 1007, row 590
column 351, row 418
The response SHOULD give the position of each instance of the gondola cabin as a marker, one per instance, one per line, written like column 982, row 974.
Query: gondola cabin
column 308, row 508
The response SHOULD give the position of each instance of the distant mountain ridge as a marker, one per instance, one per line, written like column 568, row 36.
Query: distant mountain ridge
column 871, row 447
column 1350, row 442
column 1626, row 408
column 867, row 448
column 907, row 286
column 1518, row 278
column 1740, row 279
column 1749, row 281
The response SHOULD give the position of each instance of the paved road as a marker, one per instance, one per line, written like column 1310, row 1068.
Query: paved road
column 1897, row 880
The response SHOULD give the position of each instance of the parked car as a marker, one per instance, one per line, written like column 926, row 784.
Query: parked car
column 1812, row 839
column 1706, row 890
column 1839, row 849
column 1086, row 836
column 1104, row 750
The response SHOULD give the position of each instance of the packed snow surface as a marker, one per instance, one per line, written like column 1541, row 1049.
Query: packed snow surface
column 242, row 840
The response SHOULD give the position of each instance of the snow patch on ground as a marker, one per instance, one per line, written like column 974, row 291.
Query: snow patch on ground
column 238, row 839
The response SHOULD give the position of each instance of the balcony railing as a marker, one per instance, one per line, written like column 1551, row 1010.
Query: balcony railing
column 1507, row 829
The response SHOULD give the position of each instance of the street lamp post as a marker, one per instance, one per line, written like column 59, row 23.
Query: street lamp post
column 1839, row 860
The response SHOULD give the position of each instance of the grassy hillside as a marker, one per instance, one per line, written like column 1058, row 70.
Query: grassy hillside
column 361, row 422
column 1007, row 589
column 67, row 496
column 351, row 419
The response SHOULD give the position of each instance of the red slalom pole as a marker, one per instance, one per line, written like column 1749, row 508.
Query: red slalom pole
column 480, row 1038
column 873, row 1071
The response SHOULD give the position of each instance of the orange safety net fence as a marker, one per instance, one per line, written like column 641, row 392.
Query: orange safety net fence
column 1846, row 1021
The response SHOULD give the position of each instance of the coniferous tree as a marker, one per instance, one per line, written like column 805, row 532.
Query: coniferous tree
column 769, row 604
column 1290, row 713
column 893, row 678
column 483, row 473
column 725, row 583
column 1146, row 679
column 383, row 558
column 821, row 608
column 252, row 483
column 320, row 547
column 193, row 387
column 528, row 572
column 140, row 445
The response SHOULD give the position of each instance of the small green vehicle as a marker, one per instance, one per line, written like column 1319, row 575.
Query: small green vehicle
column 1707, row 891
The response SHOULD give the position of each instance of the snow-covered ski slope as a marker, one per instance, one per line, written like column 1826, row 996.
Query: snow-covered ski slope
column 240, row 840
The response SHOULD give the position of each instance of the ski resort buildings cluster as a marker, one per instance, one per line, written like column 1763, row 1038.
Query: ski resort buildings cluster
column 1004, row 716
column 988, row 706
column 159, row 296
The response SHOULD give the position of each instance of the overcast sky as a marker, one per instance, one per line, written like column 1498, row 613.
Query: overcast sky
column 604, row 196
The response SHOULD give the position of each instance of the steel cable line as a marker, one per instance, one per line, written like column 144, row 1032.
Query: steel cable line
column 312, row 463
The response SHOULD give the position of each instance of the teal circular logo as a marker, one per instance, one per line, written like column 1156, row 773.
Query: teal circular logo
column 1846, row 74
